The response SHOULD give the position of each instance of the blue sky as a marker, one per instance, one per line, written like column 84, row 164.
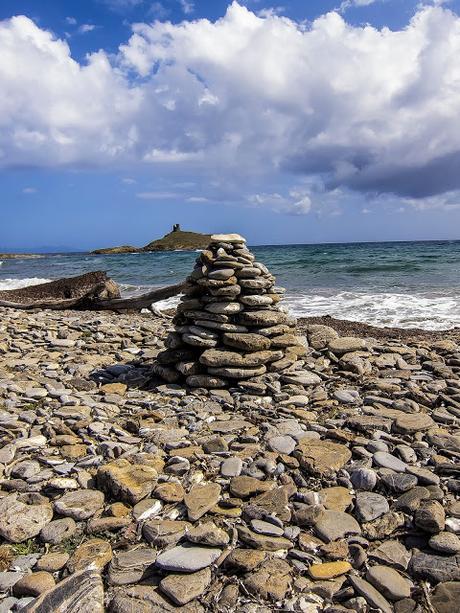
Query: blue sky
column 289, row 122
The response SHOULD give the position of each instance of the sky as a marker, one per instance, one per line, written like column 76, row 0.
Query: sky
column 293, row 121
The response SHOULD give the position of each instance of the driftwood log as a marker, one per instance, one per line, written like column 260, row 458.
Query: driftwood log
column 139, row 302
column 93, row 291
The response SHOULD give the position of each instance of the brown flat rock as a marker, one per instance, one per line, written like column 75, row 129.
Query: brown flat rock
column 128, row 482
column 243, row 486
column 322, row 458
column 94, row 553
column 245, row 559
column 183, row 588
column 271, row 581
column 275, row 501
column 329, row 570
column 409, row 423
column 336, row 498
column 200, row 499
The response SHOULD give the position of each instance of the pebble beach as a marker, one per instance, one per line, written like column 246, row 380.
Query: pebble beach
column 194, row 420
column 333, row 491
column 160, row 499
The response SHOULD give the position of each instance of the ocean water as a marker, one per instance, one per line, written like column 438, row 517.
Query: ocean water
column 404, row 284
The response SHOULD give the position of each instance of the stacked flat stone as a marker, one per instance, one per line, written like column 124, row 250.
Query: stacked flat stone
column 229, row 328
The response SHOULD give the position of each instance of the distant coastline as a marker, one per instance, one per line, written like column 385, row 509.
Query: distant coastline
column 19, row 256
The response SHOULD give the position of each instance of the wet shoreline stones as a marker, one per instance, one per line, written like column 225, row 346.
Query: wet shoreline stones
column 334, row 487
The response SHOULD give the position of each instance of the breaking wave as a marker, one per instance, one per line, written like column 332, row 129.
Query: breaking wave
column 18, row 283
column 427, row 312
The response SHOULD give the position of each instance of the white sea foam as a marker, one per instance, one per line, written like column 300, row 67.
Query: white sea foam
column 424, row 311
column 18, row 283
column 169, row 303
column 132, row 291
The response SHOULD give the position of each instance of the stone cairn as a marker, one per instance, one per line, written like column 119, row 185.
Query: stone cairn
column 229, row 328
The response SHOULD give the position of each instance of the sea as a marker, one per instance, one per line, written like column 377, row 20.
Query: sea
column 397, row 284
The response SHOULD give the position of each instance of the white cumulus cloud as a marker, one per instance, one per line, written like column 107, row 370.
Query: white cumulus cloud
column 187, row 6
column 86, row 27
column 245, row 98
column 296, row 202
column 54, row 111
column 346, row 4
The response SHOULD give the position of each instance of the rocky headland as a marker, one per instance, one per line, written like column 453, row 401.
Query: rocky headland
column 116, row 250
column 176, row 240
column 329, row 484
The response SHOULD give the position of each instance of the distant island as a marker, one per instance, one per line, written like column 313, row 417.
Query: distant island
column 176, row 240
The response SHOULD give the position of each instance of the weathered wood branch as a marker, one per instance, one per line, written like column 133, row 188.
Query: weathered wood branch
column 91, row 291
column 90, row 283
column 56, row 305
column 140, row 302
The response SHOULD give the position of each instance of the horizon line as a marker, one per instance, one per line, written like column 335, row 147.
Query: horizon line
column 32, row 251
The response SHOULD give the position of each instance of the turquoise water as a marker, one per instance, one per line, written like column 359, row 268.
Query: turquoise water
column 400, row 284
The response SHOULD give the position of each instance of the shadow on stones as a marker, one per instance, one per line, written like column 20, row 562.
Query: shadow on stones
column 133, row 374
